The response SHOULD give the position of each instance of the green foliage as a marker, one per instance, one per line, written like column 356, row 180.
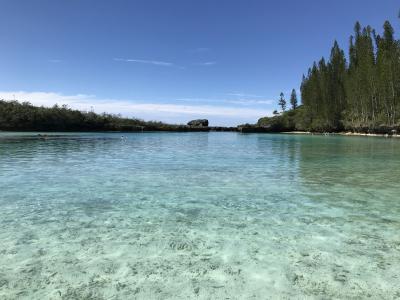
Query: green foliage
column 282, row 102
column 287, row 121
column 293, row 99
column 362, row 95
column 15, row 116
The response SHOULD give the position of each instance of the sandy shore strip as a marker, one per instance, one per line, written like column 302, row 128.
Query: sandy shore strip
column 344, row 134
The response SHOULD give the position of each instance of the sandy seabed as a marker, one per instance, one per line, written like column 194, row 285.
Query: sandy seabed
column 286, row 217
column 194, row 252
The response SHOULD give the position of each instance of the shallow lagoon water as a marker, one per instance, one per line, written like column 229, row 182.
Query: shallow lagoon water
column 199, row 216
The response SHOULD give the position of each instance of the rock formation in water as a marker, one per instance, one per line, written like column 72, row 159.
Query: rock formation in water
column 199, row 123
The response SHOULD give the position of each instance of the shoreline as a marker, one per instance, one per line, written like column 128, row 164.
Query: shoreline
column 217, row 129
column 178, row 128
column 348, row 133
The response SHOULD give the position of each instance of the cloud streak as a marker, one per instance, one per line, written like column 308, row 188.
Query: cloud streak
column 238, row 101
column 143, row 61
column 206, row 64
column 252, row 102
column 161, row 63
column 244, row 95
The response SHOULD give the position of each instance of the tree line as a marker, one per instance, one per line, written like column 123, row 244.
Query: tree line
column 357, row 93
column 23, row 116
column 16, row 116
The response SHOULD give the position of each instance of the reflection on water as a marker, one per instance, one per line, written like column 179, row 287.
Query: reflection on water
column 198, row 215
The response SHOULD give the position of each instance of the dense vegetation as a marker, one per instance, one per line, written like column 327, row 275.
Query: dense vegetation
column 361, row 94
column 26, row 117
column 16, row 116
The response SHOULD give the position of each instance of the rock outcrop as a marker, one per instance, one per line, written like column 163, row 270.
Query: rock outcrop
column 198, row 123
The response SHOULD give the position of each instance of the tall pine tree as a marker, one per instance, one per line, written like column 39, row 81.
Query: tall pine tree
column 363, row 95
column 293, row 99
column 282, row 102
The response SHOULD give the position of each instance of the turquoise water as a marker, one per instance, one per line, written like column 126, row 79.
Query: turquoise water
column 199, row 215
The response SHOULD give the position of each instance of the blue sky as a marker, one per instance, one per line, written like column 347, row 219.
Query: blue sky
column 174, row 60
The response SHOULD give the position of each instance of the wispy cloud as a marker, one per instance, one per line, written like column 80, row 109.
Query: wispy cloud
column 253, row 102
column 244, row 95
column 162, row 63
column 144, row 61
column 206, row 64
column 203, row 100
column 219, row 114
column 248, row 102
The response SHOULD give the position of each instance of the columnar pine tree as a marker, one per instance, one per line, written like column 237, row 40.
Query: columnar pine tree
column 293, row 99
column 388, row 75
column 361, row 95
column 282, row 102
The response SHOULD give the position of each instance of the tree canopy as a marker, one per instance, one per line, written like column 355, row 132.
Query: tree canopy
column 16, row 116
column 362, row 94
column 358, row 93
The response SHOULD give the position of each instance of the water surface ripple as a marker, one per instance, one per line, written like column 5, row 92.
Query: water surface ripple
column 199, row 215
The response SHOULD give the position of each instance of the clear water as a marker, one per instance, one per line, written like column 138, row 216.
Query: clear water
column 199, row 215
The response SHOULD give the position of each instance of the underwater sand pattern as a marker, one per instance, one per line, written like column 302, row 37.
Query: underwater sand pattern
column 199, row 216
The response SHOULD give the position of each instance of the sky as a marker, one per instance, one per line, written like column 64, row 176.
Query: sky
column 175, row 60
